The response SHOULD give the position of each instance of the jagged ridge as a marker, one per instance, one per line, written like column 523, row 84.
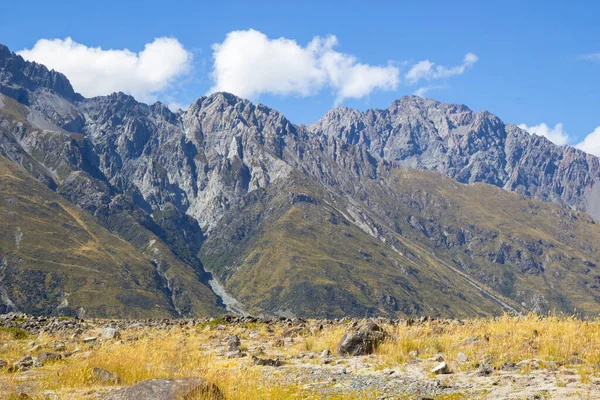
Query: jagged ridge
column 227, row 166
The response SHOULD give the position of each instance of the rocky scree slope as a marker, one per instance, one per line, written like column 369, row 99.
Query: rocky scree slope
column 323, row 219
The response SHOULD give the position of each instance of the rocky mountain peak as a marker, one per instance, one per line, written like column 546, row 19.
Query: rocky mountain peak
column 289, row 217
column 18, row 76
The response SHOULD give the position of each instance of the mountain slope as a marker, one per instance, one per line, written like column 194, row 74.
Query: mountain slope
column 359, row 213
column 49, row 159
column 54, row 258
column 414, row 252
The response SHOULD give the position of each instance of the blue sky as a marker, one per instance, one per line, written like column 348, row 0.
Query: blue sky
column 531, row 65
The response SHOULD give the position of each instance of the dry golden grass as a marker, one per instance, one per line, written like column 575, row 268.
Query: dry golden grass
column 183, row 352
column 563, row 339
column 176, row 353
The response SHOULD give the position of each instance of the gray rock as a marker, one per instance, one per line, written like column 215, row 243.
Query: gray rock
column 167, row 389
column 441, row 368
column 235, row 354
column 509, row 366
column 413, row 353
column 267, row 362
column 48, row 356
column 485, row 369
column 462, row 358
column 233, row 343
column 23, row 364
column 90, row 339
column 103, row 376
column 110, row 333
column 362, row 342
column 58, row 346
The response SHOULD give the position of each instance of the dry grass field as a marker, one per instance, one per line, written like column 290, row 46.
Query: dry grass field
column 505, row 357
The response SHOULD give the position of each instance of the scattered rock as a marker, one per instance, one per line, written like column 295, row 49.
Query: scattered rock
column 267, row 362
column 254, row 335
column 485, row 369
column 23, row 364
column 413, row 353
column 361, row 342
column 168, row 389
column 441, row 368
column 461, row 358
column 233, row 343
column 103, row 376
column 110, row 333
column 90, row 339
column 47, row 356
column 235, row 354
column 58, row 346
column 509, row 366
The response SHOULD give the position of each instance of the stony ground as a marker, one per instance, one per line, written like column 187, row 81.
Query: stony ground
column 51, row 358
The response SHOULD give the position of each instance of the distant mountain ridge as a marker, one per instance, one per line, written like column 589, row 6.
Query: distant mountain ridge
column 323, row 219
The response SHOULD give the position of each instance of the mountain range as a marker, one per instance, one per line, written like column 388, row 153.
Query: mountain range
column 111, row 207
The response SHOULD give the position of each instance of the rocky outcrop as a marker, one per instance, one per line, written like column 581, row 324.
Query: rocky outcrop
column 469, row 147
column 18, row 78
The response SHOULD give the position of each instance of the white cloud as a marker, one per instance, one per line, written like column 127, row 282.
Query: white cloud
column 591, row 143
column 556, row 135
column 94, row 71
column 428, row 70
column 594, row 57
column 422, row 91
column 248, row 64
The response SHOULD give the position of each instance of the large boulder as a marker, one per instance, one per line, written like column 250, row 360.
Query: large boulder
column 361, row 342
column 168, row 389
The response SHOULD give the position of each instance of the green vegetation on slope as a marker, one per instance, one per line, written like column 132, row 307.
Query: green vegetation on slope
column 538, row 254
column 54, row 258
column 307, row 258
column 429, row 245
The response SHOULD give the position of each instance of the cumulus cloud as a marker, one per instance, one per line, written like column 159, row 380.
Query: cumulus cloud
column 248, row 63
column 94, row 71
column 427, row 70
column 556, row 135
column 591, row 143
